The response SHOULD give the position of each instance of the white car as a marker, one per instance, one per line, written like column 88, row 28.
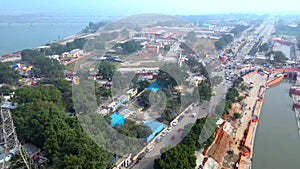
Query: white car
column 163, row 134
column 149, row 149
column 174, row 123
column 169, row 129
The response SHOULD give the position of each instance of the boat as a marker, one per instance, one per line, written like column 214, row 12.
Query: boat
column 295, row 90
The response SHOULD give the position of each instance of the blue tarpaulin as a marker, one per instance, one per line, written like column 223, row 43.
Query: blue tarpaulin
column 117, row 120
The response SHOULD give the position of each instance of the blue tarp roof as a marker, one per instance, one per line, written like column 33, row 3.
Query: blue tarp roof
column 155, row 126
column 116, row 119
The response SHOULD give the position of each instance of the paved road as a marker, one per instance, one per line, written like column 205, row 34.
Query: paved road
column 148, row 161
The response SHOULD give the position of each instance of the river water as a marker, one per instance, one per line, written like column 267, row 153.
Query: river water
column 277, row 143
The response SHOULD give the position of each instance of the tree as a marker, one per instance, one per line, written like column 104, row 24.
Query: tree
column 167, row 47
column 237, row 115
column 204, row 91
column 279, row 57
column 40, row 119
column 5, row 90
column 7, row 74
column 106, row 69
column 130, row 47
column 216, row 80
column 177, row 157
column 264, row 47
column 231, row 94
column 143, row 85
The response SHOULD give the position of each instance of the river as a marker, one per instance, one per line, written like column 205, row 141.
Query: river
column 277, row 143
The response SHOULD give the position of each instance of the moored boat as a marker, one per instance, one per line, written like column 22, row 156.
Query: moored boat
column 295, row 90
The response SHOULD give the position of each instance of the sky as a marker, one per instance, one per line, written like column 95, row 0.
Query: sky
column 129, row 7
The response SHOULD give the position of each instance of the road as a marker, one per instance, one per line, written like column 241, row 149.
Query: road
column 201, row 111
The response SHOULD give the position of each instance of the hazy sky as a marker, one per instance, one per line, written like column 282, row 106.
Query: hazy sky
column 127, row 7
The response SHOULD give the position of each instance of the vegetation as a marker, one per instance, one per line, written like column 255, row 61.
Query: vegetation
column 44, row 66
column 131, row 129
column 225, row 40
column 238, row 30
column 40, row 119
column 279, row 57
column 183, row 155
column 232, row 94
column 66, row 90
column 8, row 75
column 216, row 80
column 5, row 90
column 237, row 82
column 130, row 47
column 264, row 47
column 167, row 48
column 106, row 69
column 237, row 115
column 282, row 28
column 191, row 36
column 93, row 27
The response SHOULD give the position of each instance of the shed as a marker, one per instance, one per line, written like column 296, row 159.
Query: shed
column 155, row 126
column 117, row 120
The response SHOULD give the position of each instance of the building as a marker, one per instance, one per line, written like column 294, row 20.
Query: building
column 117, row 120
column 125, row 112
column 155, row 126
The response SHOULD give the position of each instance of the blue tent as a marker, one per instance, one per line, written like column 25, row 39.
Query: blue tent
column 155, row 126
column 117, row 120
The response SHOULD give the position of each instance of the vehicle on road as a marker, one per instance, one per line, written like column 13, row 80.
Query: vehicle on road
column 164, row 133
column 158, row 139
column 149, row 149
column 174, row 123
column 173, row 137
column 180, row 118
column 169, row 129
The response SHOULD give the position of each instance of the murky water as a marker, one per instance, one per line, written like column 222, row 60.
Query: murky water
column 277, row 143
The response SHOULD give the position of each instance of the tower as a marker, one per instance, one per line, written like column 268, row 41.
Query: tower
column 8, row 138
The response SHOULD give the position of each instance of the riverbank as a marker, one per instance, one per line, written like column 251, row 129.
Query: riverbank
column 276, row 140
column 249, row 132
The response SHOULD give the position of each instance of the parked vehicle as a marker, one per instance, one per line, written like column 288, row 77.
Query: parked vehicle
column 149, row 149
column 174, row 123
column 169, row 129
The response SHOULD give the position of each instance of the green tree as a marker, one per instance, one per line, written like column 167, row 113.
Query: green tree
column 177, row 157
column 264, row 47
column 7, row 74
column 106, row 69
column 40, row 119
column 237, row 115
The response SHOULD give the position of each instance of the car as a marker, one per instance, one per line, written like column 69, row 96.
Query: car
column 174, row 123
column 180, row 118
column 163, row 134
column 169, row 129
column 149, row 149
column 141, row 156
column 158, row 139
